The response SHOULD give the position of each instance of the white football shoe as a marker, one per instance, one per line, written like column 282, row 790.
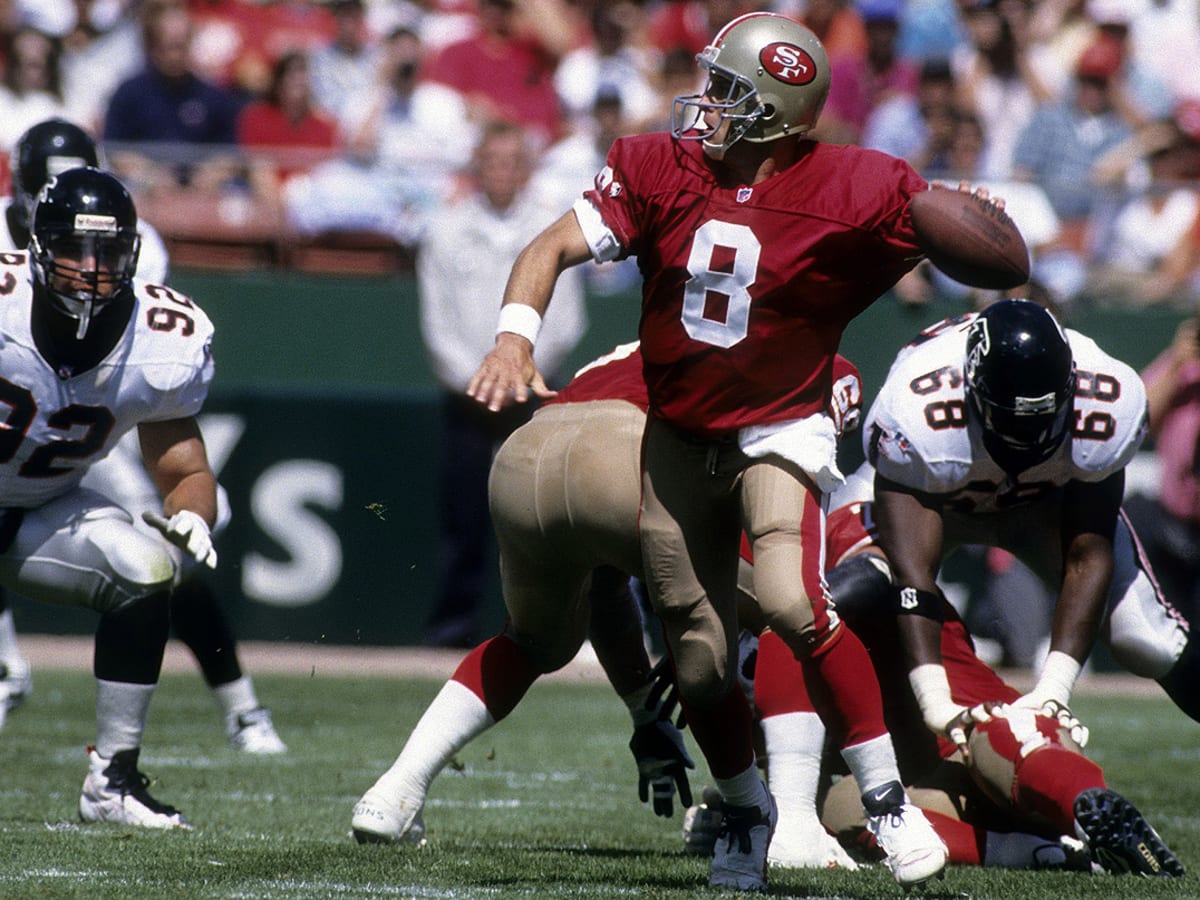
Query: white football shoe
column 801, row 842
column 115, row 791
column 253, row 732
column 912, row 849
column 379, row 819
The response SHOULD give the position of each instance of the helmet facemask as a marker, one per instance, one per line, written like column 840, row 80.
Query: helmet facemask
column 1027, row 432
column 731, row 96
column 84, row 269
column 1023, row 400
column 767, row 78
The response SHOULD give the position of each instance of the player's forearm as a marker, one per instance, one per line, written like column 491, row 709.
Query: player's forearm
column 537, row 267
column 196, row 492
column 1080, row 609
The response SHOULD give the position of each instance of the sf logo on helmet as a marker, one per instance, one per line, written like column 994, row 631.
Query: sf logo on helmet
column 788, row 63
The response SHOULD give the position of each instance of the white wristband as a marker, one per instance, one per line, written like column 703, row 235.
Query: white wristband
column 932, row 690
column 1058, row 678
column 522, row 319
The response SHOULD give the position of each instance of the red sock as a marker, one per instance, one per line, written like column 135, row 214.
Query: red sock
column 841, row 682
column 498, row 673
column 779, row 685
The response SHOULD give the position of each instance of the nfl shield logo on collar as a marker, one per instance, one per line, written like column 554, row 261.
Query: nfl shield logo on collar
column 743, row 194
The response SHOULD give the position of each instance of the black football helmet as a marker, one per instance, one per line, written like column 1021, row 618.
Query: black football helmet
column 84, row 243
column 45, row 149
column 1020, row 381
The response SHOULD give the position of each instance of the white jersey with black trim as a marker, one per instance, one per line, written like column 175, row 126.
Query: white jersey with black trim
column 918, row 433
column 58, row 424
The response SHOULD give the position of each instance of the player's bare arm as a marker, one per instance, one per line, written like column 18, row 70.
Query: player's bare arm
column 509, row 370
column 178, row 463
column 910, row 529
column 1089, row 521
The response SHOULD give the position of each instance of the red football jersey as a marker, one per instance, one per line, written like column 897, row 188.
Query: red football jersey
column 747, row 290
column 614, row 376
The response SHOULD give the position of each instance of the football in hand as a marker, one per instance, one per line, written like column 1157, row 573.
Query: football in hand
column 969, row 239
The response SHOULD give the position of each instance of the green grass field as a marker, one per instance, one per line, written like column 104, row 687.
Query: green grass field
column 543, row 805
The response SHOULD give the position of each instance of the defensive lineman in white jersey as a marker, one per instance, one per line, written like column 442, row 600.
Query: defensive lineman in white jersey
column 44, row 150
column 86, row 355
column 1005, row 430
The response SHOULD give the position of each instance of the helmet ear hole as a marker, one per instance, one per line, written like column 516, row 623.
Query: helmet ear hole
column 768, row 112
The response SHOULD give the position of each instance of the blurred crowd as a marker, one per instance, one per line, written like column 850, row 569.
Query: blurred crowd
column 363, row 115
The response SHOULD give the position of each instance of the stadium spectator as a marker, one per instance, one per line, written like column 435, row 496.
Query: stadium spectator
column 1000, row 78
column 32, row 89
column 459, row 296
column 1063, row 143
column 505, row 71
column 166, row 125
column 611, row 62
column 236, row 43
column 861, row 83
column 1147, row 251
column 917, row 127
column 101, row 49
column 283, row 133
column 729, row 444
column 73, row 547
column 406, row 143
column 689, row 25
column 930, row 29
column 1169, row 524
column 343, row 69
column 1140, row 95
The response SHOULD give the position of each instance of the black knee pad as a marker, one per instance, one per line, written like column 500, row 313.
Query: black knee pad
column 130, row 642
column 861, row 588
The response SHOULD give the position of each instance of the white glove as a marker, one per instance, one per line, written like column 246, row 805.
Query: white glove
column 941, row 714
column 189, row 532
column 1067, row 720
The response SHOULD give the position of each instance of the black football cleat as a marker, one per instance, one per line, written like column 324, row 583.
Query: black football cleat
column 1119, row 837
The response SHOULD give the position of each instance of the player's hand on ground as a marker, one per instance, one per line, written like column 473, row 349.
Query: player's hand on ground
column 189, row 532
column 702, row 824
column 507, row 372
column 662, row 761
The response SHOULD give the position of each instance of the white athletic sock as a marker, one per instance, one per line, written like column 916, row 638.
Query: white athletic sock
column 744, row 789
column 454, row 718
column 121, row 710
column 794, row 742
column 8, row 637
column 872, row 763
column 235, row 698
